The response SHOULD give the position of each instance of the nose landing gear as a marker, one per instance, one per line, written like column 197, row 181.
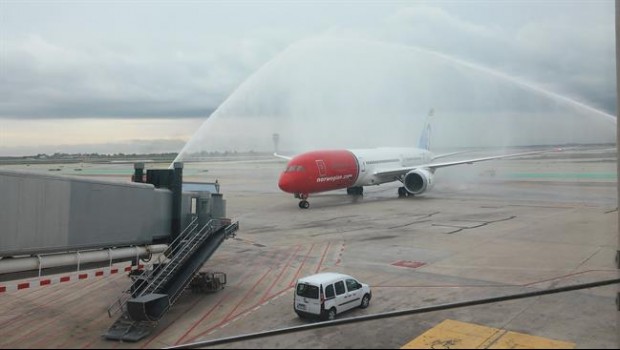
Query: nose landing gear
column 304, row 204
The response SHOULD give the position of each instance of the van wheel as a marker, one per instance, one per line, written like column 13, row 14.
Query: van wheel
column 331, row 314
column 365, row 301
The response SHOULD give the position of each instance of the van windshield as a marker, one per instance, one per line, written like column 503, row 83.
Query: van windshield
column 307, row 291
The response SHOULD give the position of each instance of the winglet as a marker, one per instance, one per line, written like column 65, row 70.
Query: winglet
column 281, row 156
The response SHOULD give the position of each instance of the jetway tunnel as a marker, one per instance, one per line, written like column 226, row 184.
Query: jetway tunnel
column 53, row 223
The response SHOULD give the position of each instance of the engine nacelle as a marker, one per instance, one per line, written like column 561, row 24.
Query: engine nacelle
column 418, row 181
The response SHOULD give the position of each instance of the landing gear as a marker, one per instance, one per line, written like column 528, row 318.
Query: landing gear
column 355, row 191
column 304, row 204
column 402, row 193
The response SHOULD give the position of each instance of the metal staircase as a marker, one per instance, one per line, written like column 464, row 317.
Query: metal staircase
column 154, row 292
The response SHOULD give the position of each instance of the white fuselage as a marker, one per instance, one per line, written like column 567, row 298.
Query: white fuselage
column 372, row 161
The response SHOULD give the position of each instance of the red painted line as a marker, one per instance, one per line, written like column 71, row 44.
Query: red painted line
column 249, row 309
column 55, row 336
column 128, row 268
column 28, row 336
column 318, row 268
column 27, row 320
column 247, row 273
column 224, row 321
column 193, row 305
column 247, row 294
column 409, row 264
column 45, row 283
column 2, row 289
column 65, row 279
column 23, row 286
column 300, row 267
column 340, row 255
column 282, row 291
column 284, row 268
column 557, row 278
column 199, row 321
column 99, row 273
column 8, row 323
column 87, row 346
column 113, row 271
column 229, row 316
column 83, row 276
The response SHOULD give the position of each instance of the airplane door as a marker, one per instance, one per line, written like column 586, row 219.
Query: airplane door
column 362, row 164
column 322, row 168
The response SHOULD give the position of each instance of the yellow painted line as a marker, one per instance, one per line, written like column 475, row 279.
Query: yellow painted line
column 514, row 340
column 451, row 334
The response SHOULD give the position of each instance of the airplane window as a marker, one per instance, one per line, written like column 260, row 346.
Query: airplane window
column 295, row 169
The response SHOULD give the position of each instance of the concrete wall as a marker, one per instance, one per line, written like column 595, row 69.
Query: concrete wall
column 44, row 213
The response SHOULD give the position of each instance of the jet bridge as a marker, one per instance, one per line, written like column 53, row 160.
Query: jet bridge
column 52, row 224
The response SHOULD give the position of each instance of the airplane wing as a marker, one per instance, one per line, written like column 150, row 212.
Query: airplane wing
column 282, row 157
column 449, row 154
column 397, row 172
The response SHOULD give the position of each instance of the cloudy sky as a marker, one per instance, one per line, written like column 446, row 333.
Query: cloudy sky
column 142, row 76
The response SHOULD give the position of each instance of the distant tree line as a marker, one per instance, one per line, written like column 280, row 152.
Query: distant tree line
column 103, row 157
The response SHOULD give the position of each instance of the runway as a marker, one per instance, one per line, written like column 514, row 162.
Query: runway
column 485, row 230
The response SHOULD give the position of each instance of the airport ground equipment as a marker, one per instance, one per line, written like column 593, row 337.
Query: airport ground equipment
column 153, row 293
column 208, row 282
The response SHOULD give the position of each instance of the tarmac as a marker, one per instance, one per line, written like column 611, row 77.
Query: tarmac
column 485, row 230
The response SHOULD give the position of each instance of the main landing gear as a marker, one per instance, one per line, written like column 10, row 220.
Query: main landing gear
column 402, row 193
column 355, row 191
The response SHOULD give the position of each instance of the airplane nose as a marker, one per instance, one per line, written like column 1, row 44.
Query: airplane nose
column 285, row 183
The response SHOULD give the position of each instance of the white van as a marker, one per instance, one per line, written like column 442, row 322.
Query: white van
column 327, row 294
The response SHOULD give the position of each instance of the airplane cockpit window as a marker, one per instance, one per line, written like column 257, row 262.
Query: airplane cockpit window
column 295, row 169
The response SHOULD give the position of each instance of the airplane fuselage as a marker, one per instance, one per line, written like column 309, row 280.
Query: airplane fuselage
column 327, row 170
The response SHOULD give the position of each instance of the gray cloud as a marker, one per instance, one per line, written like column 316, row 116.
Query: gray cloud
column 131, row 60
column 568, row 48
column 41, row 79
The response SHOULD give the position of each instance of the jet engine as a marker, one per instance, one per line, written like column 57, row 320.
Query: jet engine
column 418, row 181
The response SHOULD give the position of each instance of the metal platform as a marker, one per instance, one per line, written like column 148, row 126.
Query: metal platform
column 155, row 291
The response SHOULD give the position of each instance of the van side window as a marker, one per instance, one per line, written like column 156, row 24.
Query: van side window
column 353, row 285
column 329, row 292
column 339, row 288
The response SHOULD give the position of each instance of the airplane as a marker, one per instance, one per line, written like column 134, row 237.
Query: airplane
column 328, row 170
